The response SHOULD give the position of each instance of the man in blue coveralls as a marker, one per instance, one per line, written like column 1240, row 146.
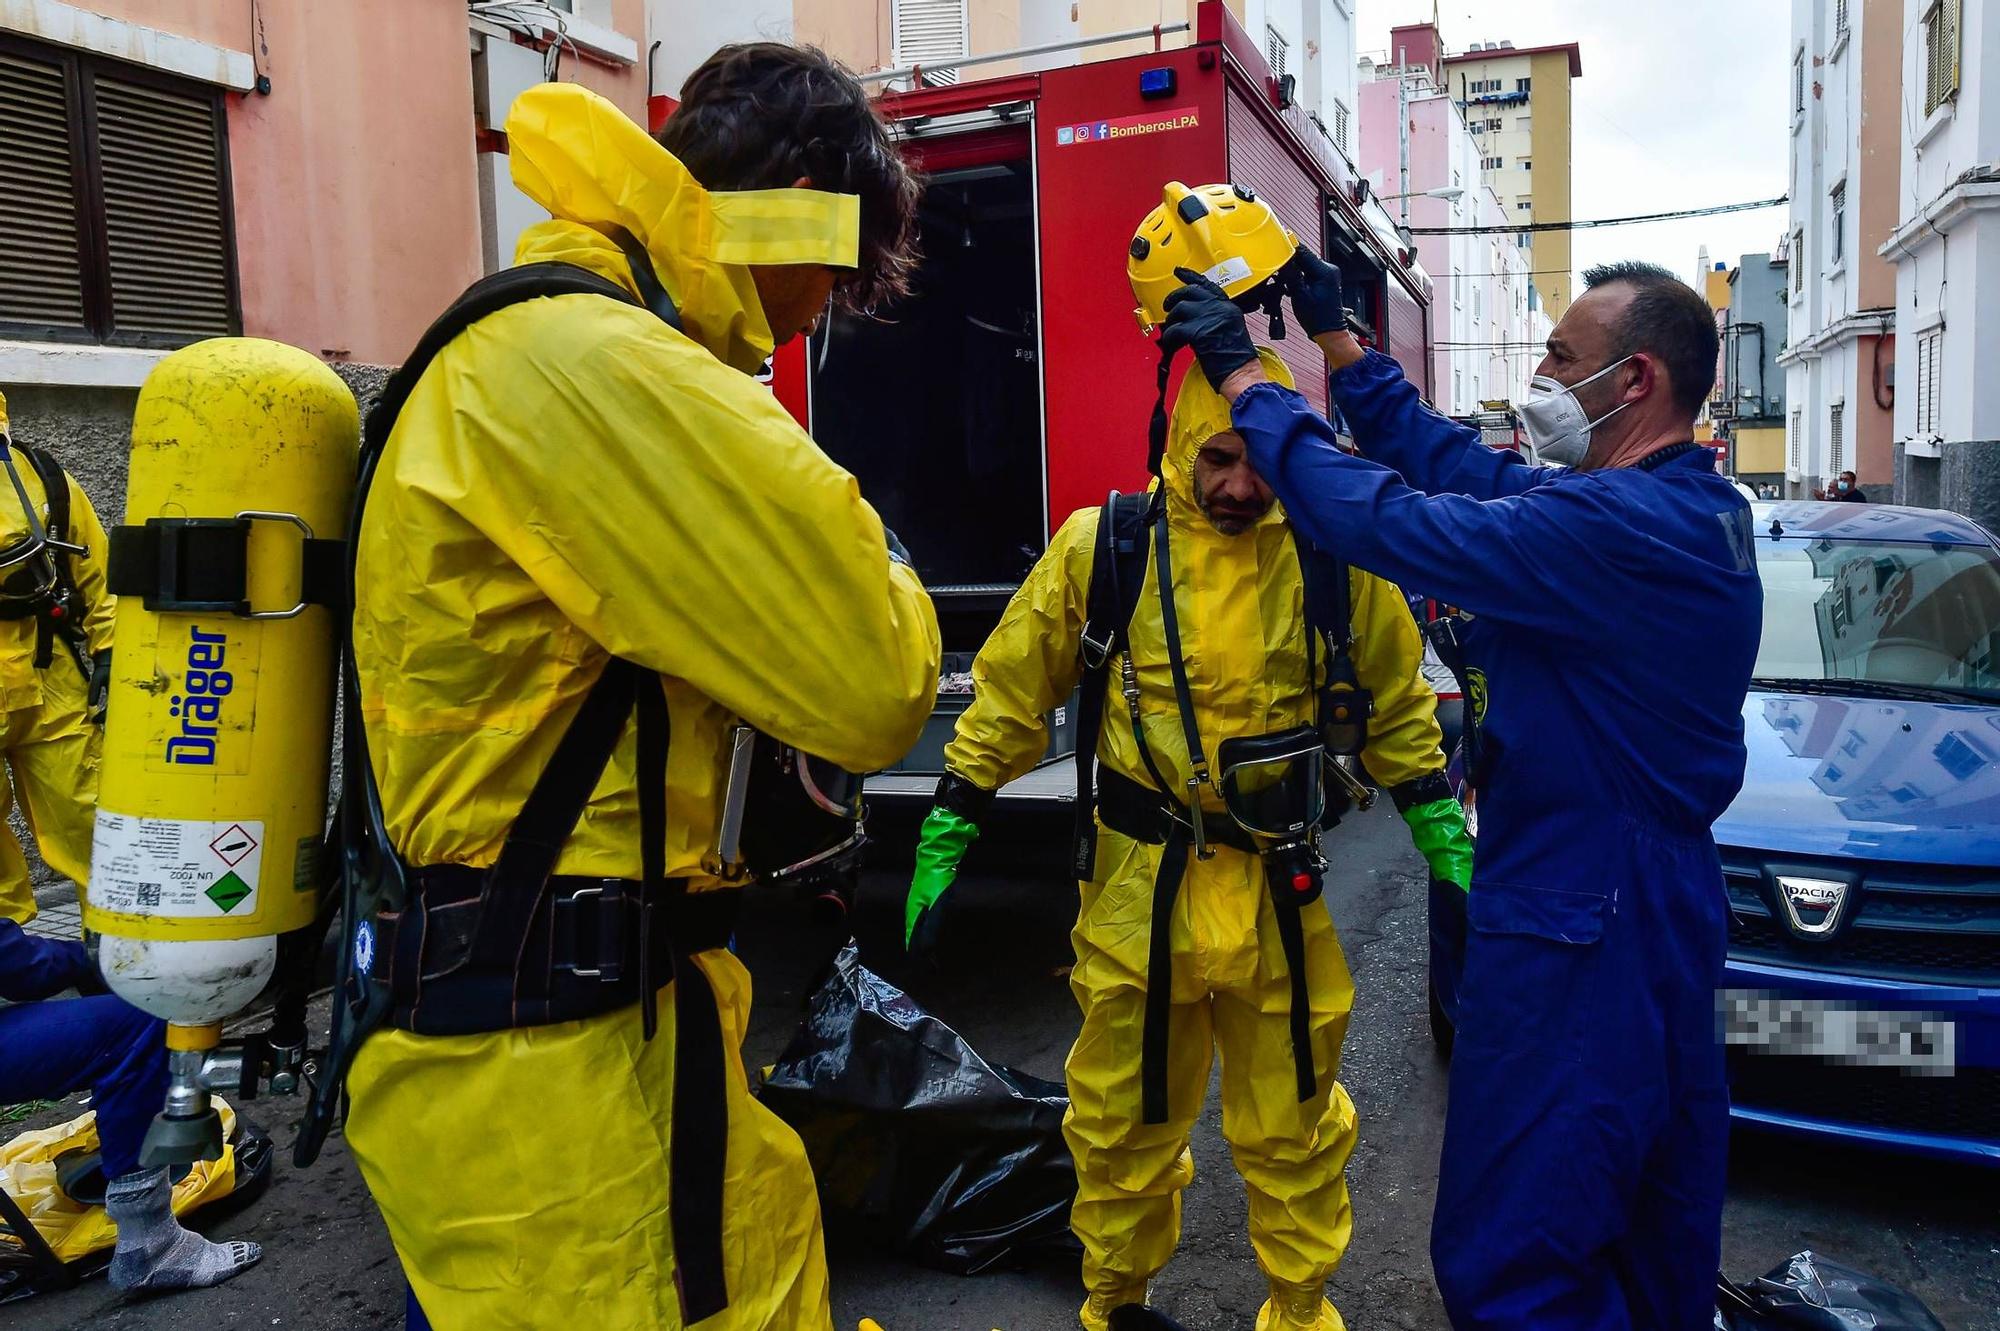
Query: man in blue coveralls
column 51, row 1049
column 1615, row 611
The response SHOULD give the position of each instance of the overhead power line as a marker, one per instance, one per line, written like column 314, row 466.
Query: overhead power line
column 1586, row 224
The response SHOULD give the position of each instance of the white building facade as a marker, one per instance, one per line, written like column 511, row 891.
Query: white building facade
column 1946, row 250
column 1841, row 318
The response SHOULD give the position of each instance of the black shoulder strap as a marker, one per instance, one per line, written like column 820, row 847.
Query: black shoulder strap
column 489, row 295
column 1117, row 577
column 557, row 800
column 63, row 618
column 56, row 482
column 1328, row 596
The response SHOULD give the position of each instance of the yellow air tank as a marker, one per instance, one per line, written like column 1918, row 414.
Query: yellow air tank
column 213, row 789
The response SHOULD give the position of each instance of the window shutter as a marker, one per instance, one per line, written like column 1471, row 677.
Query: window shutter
column 166, row 226
column 928, row 31
column 1836, row 419
column 41, row 265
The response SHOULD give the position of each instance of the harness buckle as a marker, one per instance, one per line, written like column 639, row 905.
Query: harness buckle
column 589, row 942
column 1093, row 652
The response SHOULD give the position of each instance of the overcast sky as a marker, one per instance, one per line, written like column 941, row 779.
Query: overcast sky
column 1681, row 105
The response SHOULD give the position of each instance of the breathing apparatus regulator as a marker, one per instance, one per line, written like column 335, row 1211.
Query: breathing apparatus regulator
column 805, row 816
column 1274, row 785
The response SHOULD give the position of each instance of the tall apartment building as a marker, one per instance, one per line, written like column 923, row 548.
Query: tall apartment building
column 1486, row 321
column 1517, row 104
column 1845, row 103
column 1945, row 245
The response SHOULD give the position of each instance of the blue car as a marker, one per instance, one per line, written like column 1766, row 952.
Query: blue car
column 1862, row 858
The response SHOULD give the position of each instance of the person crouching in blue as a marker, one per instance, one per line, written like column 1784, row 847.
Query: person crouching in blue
column 1614, row 611
column 102, row 1043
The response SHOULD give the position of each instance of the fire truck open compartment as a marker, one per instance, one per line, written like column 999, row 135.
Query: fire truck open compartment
column 935, row 403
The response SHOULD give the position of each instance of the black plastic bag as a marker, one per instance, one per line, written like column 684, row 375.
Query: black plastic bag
column 919, row 1144
column 1811, row 1293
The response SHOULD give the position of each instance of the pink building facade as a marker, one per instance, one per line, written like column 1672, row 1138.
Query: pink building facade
column 1485, row 318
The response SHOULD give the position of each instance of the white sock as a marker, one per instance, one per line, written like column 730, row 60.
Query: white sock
column 155, row 1252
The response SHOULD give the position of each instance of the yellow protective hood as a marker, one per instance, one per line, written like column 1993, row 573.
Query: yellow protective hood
column 3, row 413
column 585, row 161
column 1199, row 415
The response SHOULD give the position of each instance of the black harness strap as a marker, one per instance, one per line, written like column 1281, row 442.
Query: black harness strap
column 1292, row 938
column 60, row 617
column 1117, row 578
column 1160, row 976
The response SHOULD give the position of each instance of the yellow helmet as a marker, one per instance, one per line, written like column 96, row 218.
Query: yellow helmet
column 1223, row 232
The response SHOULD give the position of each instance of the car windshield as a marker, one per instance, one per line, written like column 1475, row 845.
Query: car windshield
column 1881, row 613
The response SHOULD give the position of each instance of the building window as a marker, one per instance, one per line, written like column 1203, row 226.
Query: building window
column 1941, row 53
column 1276, row 49
column 116, row 184
column 1458, row 389
column 1839, row 19
column 1835, row 417
column 1340, row 117
column 1798, row 87
column 1475, row 305
column 928, row 31
column 1839, row 220
column 1527, row 165
column 1523, row 123
column 1523, row 206
column 1521, row 85
column 1798, row 261
column 1792, row 439
column 1930, row 355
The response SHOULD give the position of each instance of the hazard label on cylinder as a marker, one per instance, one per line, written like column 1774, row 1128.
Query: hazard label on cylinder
column 176, row 867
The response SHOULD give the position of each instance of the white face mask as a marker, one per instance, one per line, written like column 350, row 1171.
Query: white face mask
column 1555, row 420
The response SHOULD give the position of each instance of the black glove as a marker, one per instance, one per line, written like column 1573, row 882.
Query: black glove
column 1199, row 315
column 99, row 697
column 1314, row 286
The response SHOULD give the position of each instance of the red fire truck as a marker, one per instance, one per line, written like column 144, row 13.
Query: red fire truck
column 1014, row 386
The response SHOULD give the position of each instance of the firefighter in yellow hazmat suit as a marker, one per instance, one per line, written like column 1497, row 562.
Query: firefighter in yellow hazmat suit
column 1237, row 588
column 55, row 629
column 574, row 483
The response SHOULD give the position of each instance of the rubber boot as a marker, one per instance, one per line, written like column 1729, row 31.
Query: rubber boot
column 1298, row 1308
column 1097, row 1309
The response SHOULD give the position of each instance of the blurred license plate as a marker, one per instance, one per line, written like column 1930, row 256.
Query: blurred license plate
column 1835, row 1032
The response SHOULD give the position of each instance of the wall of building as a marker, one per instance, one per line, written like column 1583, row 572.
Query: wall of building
column 1946, row 248
column 1759, row 452
column 356, row 207
column 689, row 31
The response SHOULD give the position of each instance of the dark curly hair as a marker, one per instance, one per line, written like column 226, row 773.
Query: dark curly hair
column 759, row 115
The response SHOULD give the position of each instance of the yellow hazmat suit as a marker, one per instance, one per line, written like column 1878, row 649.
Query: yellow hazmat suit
column 1239, row 602
column 572, row 479
column 51, row 743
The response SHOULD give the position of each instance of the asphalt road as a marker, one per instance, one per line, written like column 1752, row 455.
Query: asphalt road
column 328, row 1264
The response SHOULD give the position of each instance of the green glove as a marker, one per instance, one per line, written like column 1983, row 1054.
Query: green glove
column 1438, row 830
column 940, row 849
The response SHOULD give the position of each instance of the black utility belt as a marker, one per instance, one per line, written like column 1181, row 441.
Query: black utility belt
column 1144, row 814
column 579, row 955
